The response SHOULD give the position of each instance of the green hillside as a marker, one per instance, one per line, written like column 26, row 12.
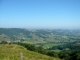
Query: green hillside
column 13, row 51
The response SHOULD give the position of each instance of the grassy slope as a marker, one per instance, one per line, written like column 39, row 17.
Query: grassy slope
column 12, row 52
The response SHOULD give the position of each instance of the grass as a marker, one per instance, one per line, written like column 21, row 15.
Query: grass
column 46, row 45
column 12, row 52
column 56, row 50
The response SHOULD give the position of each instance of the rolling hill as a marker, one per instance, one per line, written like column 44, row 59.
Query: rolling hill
column 39, row 35
column 13, row 51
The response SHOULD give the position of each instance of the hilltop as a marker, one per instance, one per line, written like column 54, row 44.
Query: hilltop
column 12, row 52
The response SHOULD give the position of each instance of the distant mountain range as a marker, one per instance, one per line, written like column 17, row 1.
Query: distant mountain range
column 39, row 35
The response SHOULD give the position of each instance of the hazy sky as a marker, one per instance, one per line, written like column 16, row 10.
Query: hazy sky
column 40, row 14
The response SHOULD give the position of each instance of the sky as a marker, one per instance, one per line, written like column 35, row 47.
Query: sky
column 51, row 14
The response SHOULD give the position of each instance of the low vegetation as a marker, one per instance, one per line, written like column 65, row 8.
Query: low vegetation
column 13, row 51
